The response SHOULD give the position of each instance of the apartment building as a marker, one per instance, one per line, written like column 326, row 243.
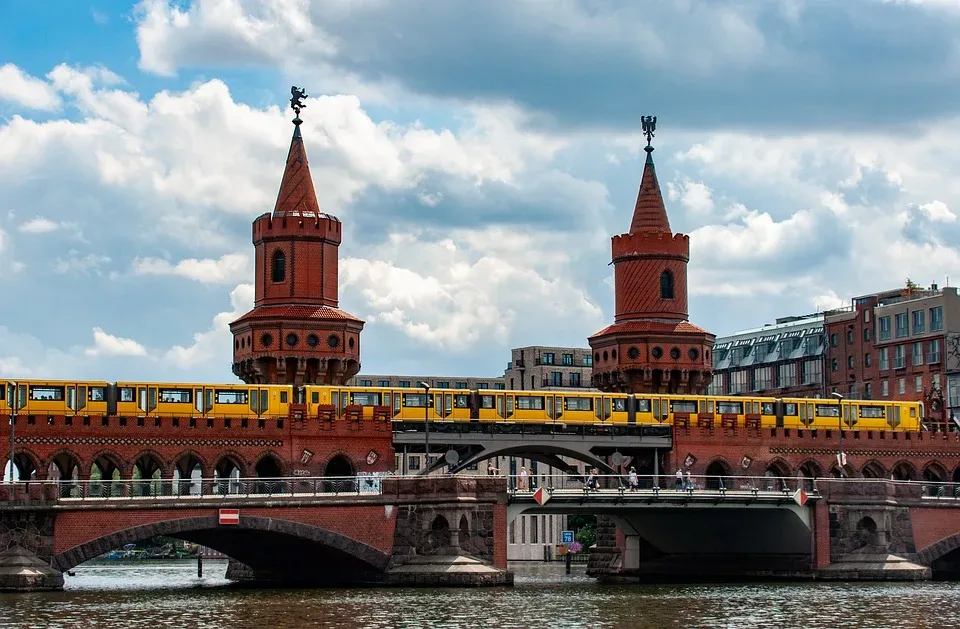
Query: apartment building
column 549, row 368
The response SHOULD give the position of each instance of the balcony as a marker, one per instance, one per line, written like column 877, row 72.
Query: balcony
column 933, row 358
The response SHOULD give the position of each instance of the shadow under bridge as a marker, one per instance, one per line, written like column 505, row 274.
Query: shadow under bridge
column 464, row 444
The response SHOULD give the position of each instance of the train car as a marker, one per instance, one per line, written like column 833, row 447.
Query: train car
column 62, row 397
column 165, row 399
column 367, row 400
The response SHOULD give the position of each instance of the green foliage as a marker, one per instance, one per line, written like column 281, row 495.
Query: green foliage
column 577, row 522
column 587, row 535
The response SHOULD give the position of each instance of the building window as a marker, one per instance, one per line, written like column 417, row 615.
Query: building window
column 548, row 358
column 933, row 356
column 884, row 358
column 588, row 361
column 866, row 334
column 512, row 387
column 918, row 385
column 849, row 337
column 762, row 378
column 866, row 316
column 405, row 384
column 738, row 381
column 901, row 385
column 867, row 391
column 556, row 379
column 901, row 321
column 366, row 383
column 919, row 321
column 278, row 266
column 936, row 319
column 833, row 340
column 461, row 385
column 575, row 380
column 383, row 383
column 885, row 388
column 898, row 357
column 916, row 353
column 787, row 376
column 443, row 384
column 852, row 390
column 849, row 362
column 666, row 285
column 884, row 333
column 936, row 380
column 835, row 364
column 483, row 385
column 501, row 386
column 534, row 529
column 866, row 360
column 811, row 371
column 567, row 359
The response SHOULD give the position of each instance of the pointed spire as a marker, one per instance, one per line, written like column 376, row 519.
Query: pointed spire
column 297, row 196
column 649, row 214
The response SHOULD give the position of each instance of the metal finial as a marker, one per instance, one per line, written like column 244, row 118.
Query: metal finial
column 296, row 101
column 649, row 125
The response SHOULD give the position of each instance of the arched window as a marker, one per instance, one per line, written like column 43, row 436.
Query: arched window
column 666, row 285
column 279, row 266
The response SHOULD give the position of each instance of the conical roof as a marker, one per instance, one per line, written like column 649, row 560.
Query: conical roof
column 649, row 214
column 297, row 196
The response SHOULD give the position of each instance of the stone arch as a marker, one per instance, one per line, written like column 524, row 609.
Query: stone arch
column 108, row 463
column 369, row 555
column 848, row 471
column 926, row 556
column 146, row 473
column 65, row 467
column 28, row 466
column 715, row 471
column 935, row 472
column 903, row 470
column 227, row 462
column 873, row 469
column 867, row 532
column 183, row 468
column 269, row 465
column 340, row 464
column 463, row 530
column 777, row 473
column 440, row 536
column 810, row 471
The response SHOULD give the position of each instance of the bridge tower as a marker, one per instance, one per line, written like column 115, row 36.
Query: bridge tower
column 651, row 346
column 295, row 333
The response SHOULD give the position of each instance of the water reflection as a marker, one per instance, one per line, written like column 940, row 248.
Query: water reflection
column 169, row 594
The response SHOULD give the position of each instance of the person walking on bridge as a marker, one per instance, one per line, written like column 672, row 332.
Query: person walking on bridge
column 678, row 483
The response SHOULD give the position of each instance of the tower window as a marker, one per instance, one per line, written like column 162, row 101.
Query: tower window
column 279, row 266
column 666, row 285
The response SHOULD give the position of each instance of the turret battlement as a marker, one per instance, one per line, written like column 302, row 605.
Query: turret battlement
column 650, row 243
column 318, row 227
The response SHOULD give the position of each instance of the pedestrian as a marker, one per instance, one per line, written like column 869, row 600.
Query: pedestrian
column 678, row 483
column 492, row 469
column 523, row 479
column 592, row 480
column 633, row 480
column 689, row 481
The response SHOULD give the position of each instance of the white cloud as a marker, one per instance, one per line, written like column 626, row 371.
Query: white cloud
column 19, row 87
column 86, row 264
column 228, row 269
column 41, row 225
column 108, row 345
column 938, row 211
column 215, row 344
column 693, row 195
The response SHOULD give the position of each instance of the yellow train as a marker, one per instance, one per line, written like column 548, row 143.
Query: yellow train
column 152, row 399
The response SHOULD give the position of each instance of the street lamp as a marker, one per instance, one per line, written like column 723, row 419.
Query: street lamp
column 426, row 423
column 840, row 456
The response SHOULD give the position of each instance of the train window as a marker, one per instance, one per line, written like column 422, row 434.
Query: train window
column 231, row 397
column 766, row 408
column 176, row 396
column 417, row 400
column 872, row 412
column 529, row 402
column 365, row 399
column 790, row 409
column 3, row 392
column 96, row 394
column 828, row 410
column 486, row 401
column 683, row 406
column 620, row 405
column 283, row 397
column 643, row 405
column 460, row 401
column 315, row 397
column 46, row 393
column 578, row 404
column 730, row 408
column 127, row 394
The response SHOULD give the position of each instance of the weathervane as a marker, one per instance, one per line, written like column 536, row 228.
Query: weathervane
column 649, row 125
column 296, row 101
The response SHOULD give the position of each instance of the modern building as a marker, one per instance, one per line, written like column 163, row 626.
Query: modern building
column 781, row 359
column 651, row 345
column 899, row 345
column 548, row 368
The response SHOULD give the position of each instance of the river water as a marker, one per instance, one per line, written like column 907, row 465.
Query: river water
column 157, row 594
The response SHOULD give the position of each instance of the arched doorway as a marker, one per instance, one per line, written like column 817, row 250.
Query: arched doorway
column 339, row 470
column 463, row 534
column 269, row 469
column 715, row 473
column 903, row 471
column 439, row 537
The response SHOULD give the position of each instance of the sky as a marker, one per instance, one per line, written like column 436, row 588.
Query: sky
column 480, row 156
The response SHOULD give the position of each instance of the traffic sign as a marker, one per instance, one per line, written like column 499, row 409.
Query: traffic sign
column 229, row 516
column 541, row 496
column 566, row 537
column 800, row 497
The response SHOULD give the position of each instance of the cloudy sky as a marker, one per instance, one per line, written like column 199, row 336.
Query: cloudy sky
column 480, row 154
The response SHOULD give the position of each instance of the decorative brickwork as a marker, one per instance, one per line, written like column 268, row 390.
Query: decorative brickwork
column 296, row 334
column 651, row 347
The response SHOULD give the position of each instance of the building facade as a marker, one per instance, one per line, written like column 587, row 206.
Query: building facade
column 435, row 382
column 547, row 368
column 783, row 359
column 899, row 345
column 651, row 346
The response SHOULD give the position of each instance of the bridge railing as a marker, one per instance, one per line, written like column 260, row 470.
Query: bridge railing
column 198, row 488
column 606, row 483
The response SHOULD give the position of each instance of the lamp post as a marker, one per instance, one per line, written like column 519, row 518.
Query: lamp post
column 839, row 398
column 426, row 423
column 14, row 400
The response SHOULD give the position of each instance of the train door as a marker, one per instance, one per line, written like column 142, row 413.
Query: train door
column 447, row 408
column 76, row 397
column 339, row 400
column 147, row 399
column 509, row 410
column 501, row 406
column 849, row 414
column 549, row 404
column 893, row 415
column 661, row 409
column 606, row 408
column 397, row 400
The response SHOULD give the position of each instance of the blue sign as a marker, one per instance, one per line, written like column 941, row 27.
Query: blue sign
column 566, row 537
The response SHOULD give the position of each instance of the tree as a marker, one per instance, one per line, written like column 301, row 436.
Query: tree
column 912, row 286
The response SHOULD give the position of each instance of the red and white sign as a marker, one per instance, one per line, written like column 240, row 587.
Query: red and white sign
column 800, row 497
column 541, row 496
column 229, row 516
